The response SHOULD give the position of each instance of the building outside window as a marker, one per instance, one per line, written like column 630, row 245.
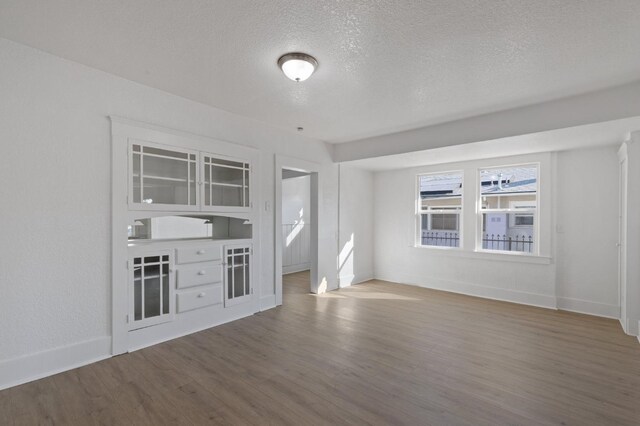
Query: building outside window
column 508, row 206
column 439, row 209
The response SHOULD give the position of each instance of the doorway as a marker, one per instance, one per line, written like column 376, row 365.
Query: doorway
column 296, row 224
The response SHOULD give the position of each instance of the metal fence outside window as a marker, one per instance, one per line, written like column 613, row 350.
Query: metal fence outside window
column 521, row 243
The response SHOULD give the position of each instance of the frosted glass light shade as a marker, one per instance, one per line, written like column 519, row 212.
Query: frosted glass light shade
column 297, row 66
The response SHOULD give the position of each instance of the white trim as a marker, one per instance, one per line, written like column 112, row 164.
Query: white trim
column 536, row 213
column 496, row 255
column 470, row 289
column 267, row 302
column 121, row 131
column 193, row 321
column 35, row 366
column 353, row 279
column 588, row 307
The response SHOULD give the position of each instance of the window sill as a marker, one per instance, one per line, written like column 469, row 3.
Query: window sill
column 487, row 255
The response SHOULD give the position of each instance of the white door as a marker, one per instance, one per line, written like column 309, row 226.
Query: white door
column 237, row 277
column 151, row 289
column 622, row 244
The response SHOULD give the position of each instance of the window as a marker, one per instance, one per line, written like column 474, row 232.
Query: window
column 439, row 209
column 508, row 205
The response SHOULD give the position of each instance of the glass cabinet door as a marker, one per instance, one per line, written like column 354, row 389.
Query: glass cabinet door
column 164, row 177
column 237, row 277
column 150, row 290
column 225, row 182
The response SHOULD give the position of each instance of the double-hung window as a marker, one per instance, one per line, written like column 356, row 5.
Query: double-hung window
column 509, row 208
column 439, row 209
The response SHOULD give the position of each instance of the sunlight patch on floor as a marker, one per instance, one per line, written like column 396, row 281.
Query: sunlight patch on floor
column 370, row 295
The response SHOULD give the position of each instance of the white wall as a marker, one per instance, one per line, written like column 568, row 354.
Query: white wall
column 55, row 149
column 587, row 231
column 357, row 234
column 511, row 277
column 296, row 220
column 577, row 269
column 296, row 197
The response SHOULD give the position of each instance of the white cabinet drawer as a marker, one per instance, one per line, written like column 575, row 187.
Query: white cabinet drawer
column 198, row 254
column 198, row 274
column 205, row 296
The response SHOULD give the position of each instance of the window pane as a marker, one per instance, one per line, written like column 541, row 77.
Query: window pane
column 151, row 291
column 501, row 231
column 440, row 191
column 442, row 194
column 440, row 230
column 510, row 189
column 501, row 188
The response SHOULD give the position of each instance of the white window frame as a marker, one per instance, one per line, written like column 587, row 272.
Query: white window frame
column 446, row 209
column 513, row 208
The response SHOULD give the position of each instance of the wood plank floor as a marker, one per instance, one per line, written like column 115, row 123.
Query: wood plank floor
column 376, row 353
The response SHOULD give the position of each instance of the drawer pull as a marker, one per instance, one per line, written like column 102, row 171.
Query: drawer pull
column 202, row 294
column 201, row 252
column 201, row 272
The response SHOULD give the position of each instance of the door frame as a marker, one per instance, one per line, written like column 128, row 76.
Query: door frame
column 314, row 170
column 622, row 235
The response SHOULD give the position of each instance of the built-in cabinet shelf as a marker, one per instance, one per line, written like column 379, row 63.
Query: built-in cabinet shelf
column 166, row 282
column 175, row 179
column 186, row 205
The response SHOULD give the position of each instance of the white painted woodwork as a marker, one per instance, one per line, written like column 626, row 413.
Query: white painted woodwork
column 159, row 155
column 199, row 253
column 151, row 289
column 162, row 177
column 225, row 183
column 198, row 274
column 199, row 298
column 629, row 240
column 238, row 274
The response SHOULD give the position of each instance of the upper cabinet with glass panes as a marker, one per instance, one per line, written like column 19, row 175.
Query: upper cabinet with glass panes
column 162, row 178
column 176, row 179
column 225, row 183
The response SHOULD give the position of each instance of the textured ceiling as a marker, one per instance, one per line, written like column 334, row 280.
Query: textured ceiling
column 385, row 66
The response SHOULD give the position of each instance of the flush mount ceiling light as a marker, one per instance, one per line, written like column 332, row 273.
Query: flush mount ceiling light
column 297, row 66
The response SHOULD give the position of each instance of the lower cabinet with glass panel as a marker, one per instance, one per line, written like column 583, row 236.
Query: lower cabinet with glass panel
column 178, row 287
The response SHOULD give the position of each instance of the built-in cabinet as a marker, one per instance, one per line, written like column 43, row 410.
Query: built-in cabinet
column 185, row 225
column 165, row 283
column 170, row 178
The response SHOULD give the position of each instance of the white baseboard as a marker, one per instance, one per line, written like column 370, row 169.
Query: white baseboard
column 351, row 279
column 267, row 302
column 31, row 367
column 588, row 307
column 291, row 269
column 507, row 295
